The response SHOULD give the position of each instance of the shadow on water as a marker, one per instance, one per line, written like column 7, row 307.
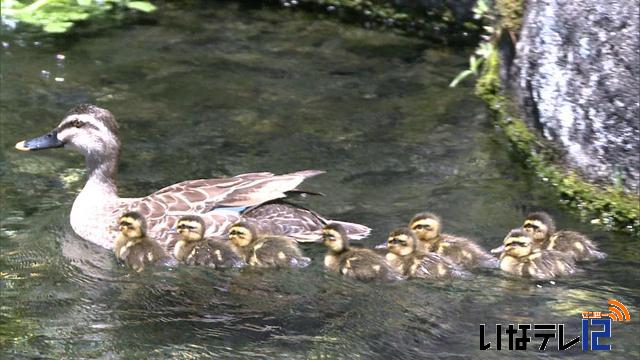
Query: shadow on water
column 220, row 91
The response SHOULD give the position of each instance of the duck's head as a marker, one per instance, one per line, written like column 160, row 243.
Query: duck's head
column 517, row 243
column 335, row 237
column 132, row 225
column 190, row 228
column 243, row 233
column 402, row 241
column 87, row 128
column 427, row 226
column 539, row 225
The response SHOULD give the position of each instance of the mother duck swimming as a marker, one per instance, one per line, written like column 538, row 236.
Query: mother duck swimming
column 93, row 131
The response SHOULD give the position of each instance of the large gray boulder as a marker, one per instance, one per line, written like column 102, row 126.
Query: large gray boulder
column 577, row 74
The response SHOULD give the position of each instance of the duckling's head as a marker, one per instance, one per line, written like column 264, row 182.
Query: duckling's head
column 190, row 228
column 402, row 241
column 539, row 225
column 132, row 225
column 427, row 226
column 243, row 233
column 91, row 130
column 517, row 243
column 335, row 237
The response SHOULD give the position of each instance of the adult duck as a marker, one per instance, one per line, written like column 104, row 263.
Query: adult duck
column 93, row 132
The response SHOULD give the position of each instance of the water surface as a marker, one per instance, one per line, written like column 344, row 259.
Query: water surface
column 221, row 90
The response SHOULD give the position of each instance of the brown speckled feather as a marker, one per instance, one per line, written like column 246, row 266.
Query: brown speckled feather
column 163, row 208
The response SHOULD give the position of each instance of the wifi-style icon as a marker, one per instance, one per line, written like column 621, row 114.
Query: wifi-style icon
column 619, row 312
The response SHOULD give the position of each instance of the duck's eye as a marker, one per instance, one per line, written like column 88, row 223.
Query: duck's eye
column 329, row 237
column 531, row 226
column 78, row 123
column 235, row 233
column 125, row 223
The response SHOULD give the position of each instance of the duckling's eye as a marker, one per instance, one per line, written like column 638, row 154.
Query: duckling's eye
column 78, row 123
column 399, row 242
column 531, row 226
column 329, row 237
column 422, row 227
column 125, row 223
column 235, row 233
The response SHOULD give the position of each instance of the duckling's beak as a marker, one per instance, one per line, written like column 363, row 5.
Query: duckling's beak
column 498, row 250
column 381, row 246
column 47, row 141
column 173, row 230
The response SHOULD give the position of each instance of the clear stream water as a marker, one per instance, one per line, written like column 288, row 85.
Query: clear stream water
column 221, row 90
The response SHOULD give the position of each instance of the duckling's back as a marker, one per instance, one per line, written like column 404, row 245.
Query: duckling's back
column 434, row 266
column 365, row 264
column 575, row 244
column 541, row 265
column 214, row 253
column 465, row 253
column 142, row 254
column 277, row 251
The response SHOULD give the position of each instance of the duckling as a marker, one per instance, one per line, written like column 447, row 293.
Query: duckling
column 405, row 259
column 361, row 264
column 461, row 251
column 266, row 251
column 194, row 249
column 521, row 257
column 132, row 246
column 542, row 229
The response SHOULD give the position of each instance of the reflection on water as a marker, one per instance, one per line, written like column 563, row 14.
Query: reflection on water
column 219, row 91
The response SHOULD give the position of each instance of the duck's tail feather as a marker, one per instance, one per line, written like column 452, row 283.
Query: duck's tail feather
column 355, row 231
column 597, row 255
column 302, row 193
column 307, row 173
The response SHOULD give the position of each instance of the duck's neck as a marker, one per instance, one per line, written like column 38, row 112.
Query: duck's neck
column 92, row 213
column 101, row 177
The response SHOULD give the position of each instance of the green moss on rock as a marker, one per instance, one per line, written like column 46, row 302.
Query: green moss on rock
column 511, row 12
column 611, row 208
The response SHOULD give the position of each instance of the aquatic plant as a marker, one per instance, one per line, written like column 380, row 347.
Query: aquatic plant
column 58, row 16
column 481, row 11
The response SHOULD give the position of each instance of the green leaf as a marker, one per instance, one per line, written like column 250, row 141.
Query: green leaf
column 463, row 75
column 141, row 6
column 57, row 27
column 84, row 2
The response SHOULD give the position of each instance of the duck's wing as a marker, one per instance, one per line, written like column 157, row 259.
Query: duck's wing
column 162, row 208
column 201, row 196
column 282, row 218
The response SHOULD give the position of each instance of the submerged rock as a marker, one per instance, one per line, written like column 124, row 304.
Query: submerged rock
column 577, row 74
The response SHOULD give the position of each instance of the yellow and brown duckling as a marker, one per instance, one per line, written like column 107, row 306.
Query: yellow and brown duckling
column 542, row 229
column 462, row 251
column 133, row 246
column 521, row 257
column 404, row 257
column 194, row 249
column 265, row 250
column 358, row 263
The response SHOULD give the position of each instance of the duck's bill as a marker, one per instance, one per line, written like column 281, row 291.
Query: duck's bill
column 498, row 250
column 47, row 141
